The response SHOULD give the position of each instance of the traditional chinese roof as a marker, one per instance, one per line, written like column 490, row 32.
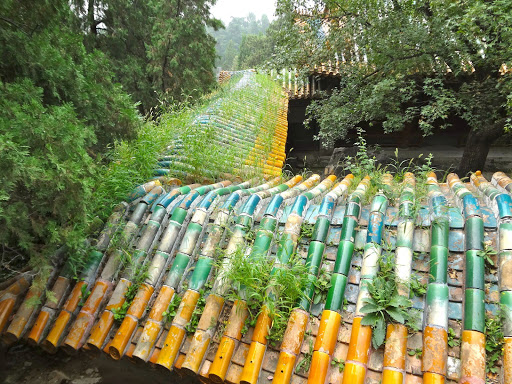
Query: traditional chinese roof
column 175, row 231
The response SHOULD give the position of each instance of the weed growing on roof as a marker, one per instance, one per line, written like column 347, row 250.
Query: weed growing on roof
column 340, row 363
column 306, row 230
column 172, row 309
column 140, row 274
column 345, row 304
column 255, row 280
column 322, row 285
column 418, row 352
column 493, row 342
column 250, row 235
column 196, row 314
column 307, row 358
column 249, row 322
column 385, row 305
column 363, row 164
column 487, row 254
column 453, row 341
column 417, row 288
column 84, row 295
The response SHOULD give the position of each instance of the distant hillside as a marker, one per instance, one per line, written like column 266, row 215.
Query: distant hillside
column 229, row 40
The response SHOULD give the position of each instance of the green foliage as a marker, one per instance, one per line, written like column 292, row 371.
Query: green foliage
column 417, row 288
column 255, row 51
column 122, row 31
column 307, row 358
column 56, row 61
column 84, row 295
column 158, row 49
column 60, row 107
column 250, row 235
column 172, row 309
column 322, row 285
column 182, row 54
column 493, row 342
column 340, row 363
column 196, row 314
column 418, row 352
column 453, row 341
column 486, row 253
column 254, row 281
column 385, row 303
column 416, row 64
column 48, row 177
column 139, row 276
column 306, row 230
column 365, row 164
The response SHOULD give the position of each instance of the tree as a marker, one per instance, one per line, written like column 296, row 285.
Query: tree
column 255, row 51
column 230, row 57
column 59, row 107
column 55, row 60
column 430, row 64
column 182, row 53
column 122, row 30
column 156, row 47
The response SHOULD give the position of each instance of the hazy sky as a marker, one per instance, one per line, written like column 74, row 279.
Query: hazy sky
column 225, row 9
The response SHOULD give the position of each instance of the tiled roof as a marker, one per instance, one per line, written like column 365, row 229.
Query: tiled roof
column 175, row 230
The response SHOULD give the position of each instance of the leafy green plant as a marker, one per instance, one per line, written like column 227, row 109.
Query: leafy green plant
column 385, row 304
column 453, row 341
column 400, row 167
column 322, row 285
column 84, row 295
column 418, row 352
column 486, row 253
column 340, row 363
column 172, row 309
column 306, row 230
column 255, row 281
column 196, row 314
column 250, row 321
column 493, row 342
column 140, row 274
column 417, row 288
column 120, row 313
column 362, row 163
column 250, row 235
column 305, row 363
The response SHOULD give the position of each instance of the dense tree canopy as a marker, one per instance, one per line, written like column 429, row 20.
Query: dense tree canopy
column 429, row 64
column 182, row 53
column 71, row 76
column 60, row 106
column 159, row 49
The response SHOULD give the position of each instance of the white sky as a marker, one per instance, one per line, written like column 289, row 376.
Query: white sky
column 225, row 9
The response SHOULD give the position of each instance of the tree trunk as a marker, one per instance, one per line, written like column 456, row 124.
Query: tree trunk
column 91, row 19
column 477, row 148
